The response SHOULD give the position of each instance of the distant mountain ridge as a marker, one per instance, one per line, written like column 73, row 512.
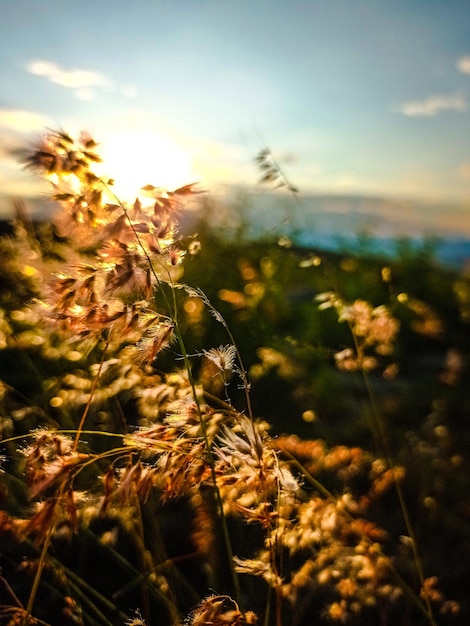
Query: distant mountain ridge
column 338, row 222
column 384, row 217
column 327, row 221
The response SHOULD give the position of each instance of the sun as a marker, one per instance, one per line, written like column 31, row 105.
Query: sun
column 134, row 158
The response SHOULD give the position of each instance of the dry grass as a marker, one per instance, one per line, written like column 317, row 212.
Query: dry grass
column 120, row 443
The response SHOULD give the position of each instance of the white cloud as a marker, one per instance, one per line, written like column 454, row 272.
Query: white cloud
column 73, row 78
column 80, row 80
column 463, row 64
column 433, row 105
column 41, row 68
column 22, row 121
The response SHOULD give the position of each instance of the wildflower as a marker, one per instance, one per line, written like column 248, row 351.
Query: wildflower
column 328, row 300
column 175, row 256
column 427, row 322
column 194, row 247
column 258, row 567
column 50, row 457
column 271, row 359
column 220, row 611
column 223, row 357
column 135, row 479
column 454, row 365
column 373, row 329
column 348, row 360
column 137, row 620
column 247, row 445
column 157, row 338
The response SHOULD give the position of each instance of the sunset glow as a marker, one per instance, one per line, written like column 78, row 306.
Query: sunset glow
column 134, row 158
column 346, row 110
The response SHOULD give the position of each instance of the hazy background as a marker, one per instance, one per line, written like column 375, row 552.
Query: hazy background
column 365, row 103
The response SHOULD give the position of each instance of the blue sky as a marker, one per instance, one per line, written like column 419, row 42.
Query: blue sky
column 353, row 96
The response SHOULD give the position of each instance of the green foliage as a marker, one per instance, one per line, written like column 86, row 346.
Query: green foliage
column 139, row 487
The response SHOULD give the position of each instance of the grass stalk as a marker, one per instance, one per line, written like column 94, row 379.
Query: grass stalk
column 173, row 313
column 39, row 570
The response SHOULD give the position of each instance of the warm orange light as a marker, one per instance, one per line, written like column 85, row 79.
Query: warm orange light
column 134, row 158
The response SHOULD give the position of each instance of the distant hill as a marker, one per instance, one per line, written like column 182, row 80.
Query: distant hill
column 322, row 221
column 383, row 217
column 334, row 222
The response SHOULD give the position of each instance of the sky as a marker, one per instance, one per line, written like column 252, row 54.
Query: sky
column 353, row 97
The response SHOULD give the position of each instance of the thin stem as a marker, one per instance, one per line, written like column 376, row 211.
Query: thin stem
column 241, row 371
column 40, row 568
column 211, row 462
column 325, row 492
column 10, row 591
column 50, row 530
column 90, row 399
column 377, row 427
column 379, row 421
column 173, row 312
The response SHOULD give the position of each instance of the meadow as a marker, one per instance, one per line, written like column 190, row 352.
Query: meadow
column 202, row 428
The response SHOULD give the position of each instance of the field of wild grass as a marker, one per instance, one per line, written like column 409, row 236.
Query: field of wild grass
column 206, row 430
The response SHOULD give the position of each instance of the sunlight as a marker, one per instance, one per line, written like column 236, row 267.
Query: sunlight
column 134, row 158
